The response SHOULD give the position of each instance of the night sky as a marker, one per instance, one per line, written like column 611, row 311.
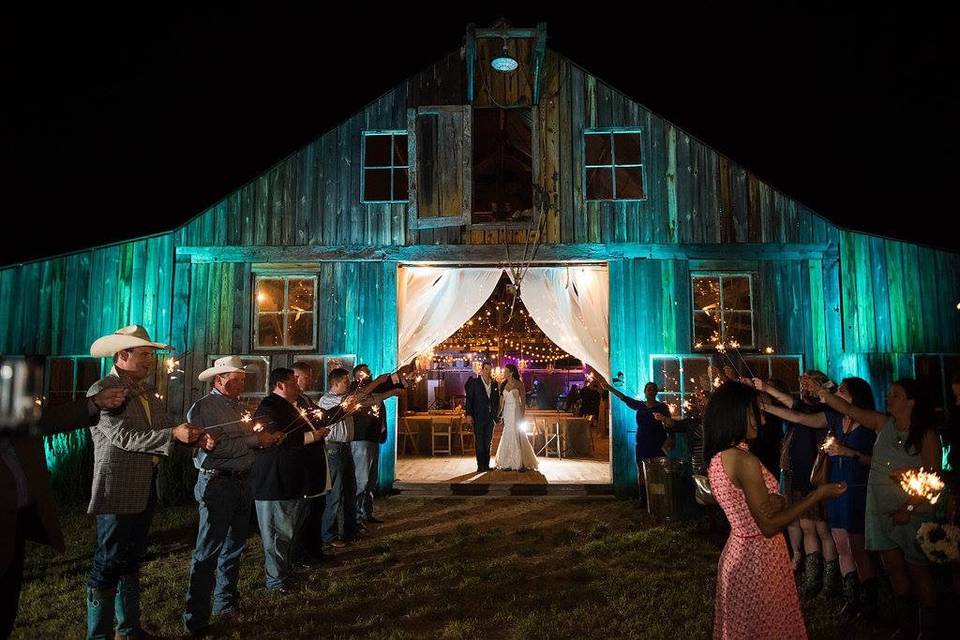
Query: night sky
column 118, row 124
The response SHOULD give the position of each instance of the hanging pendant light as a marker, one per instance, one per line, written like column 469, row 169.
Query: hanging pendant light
column 505, row 63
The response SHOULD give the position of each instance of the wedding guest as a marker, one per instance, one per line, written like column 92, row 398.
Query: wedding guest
column 573, row 397
column 308, row 540
column 652, row 418
column 223, row 494
column 342, row 495
column 769, row 440
column 906, row 439
column 282, row 477
column 756, row 596
column 128, row 443
column 849, row 446
column 370, row 431
column 27, row 510
column 801, row 444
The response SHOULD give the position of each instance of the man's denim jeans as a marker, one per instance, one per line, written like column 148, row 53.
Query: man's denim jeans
column 224, row 504
column 366, row 460
column 279, row 521
column 343, row 493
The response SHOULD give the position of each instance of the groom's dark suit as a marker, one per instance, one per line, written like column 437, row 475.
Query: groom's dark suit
column 485, row 410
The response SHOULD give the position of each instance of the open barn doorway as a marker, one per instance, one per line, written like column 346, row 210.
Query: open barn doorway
column 554, row 331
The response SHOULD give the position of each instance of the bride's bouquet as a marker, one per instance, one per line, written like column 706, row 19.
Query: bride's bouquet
column 939, row 542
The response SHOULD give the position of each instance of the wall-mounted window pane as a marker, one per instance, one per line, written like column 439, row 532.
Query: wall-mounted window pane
column 257, row 381
column 783, row 369
column 384, row 158
column 69, row 377
column 285, row 312
column 613, row 165
column 722, row 310
column 320, row 366
column 599, row 149
column 680, row 378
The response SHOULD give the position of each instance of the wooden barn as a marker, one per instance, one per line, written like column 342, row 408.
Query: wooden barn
column 466, row 170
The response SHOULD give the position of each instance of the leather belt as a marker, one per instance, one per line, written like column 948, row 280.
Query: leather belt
column 226, row 473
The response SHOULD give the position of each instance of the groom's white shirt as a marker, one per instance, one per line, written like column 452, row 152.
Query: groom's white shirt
column 486, row 386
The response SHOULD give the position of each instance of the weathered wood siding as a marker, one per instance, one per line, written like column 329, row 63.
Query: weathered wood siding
column 694, row 194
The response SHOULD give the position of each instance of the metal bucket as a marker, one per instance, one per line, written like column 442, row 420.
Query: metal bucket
column 664, row 480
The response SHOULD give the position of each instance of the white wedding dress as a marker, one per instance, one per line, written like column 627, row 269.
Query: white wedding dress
column 514, row 451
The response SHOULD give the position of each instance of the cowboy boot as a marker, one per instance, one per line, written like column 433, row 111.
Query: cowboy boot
column 907, row 617
column 128, row 609
column 928, row 623
column 851, row 596
column 868, row 598
column 812, row 575
column 831, row 578
column 99, row 613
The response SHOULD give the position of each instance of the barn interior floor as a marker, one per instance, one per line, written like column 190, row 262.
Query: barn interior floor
column 463, row 470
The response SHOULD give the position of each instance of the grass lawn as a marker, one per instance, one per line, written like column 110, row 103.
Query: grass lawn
column 438, row 568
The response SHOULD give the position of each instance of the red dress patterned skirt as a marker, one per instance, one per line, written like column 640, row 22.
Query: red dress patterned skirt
column 756, row 594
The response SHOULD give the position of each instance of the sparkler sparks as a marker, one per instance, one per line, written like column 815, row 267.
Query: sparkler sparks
column 257, row 427
column 922, row 484
column 828, row 442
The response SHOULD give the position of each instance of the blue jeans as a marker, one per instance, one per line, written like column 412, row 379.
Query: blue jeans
column 342, row 493
column 121, row 544
column 279, row 521
column 224, row 504
column 366, row 460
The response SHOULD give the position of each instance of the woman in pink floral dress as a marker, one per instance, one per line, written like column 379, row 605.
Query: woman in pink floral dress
column 756, row 594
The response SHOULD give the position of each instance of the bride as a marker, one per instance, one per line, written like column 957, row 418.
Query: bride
column 514, row 451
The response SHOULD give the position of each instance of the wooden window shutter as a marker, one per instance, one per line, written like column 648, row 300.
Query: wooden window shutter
column 440, row 152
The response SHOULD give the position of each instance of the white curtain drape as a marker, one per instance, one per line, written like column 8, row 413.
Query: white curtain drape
column 571, row 306
column 434, row 302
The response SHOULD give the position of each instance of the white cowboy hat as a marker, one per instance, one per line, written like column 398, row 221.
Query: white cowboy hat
column 227, row 364
column 127, row 337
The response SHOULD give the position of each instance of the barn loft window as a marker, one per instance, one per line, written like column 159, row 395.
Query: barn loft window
column 935, row 371
column 679, row 378
column 256, row 384
column 502, row 164
column 285, row 312
column 785, row 369
column 613, row 167
column 722, row 310
column 384, row 176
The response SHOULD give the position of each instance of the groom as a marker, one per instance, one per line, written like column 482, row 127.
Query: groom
column 482, row 407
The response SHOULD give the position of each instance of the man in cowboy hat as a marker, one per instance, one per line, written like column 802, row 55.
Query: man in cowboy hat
column 128, row 443
column 222, row 492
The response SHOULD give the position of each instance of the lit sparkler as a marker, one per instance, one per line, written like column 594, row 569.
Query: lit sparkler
column 244, row 417
column 828, row 442
column 922, row 484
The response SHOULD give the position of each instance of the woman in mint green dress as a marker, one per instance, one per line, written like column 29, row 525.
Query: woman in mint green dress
column 906, row 439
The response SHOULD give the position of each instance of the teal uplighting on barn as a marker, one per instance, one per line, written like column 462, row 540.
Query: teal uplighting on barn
column 400, row 182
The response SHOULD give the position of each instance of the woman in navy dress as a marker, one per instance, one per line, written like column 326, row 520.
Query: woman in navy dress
column 850, row 456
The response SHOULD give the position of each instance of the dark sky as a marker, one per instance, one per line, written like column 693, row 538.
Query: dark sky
column 119, row 124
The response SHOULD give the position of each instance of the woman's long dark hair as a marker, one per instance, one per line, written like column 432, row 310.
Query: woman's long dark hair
column 512, row 368
column 725, row 420
column 921, row 418
column 861, row 394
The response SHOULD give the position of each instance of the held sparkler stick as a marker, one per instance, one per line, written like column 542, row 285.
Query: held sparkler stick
column 244, row 417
